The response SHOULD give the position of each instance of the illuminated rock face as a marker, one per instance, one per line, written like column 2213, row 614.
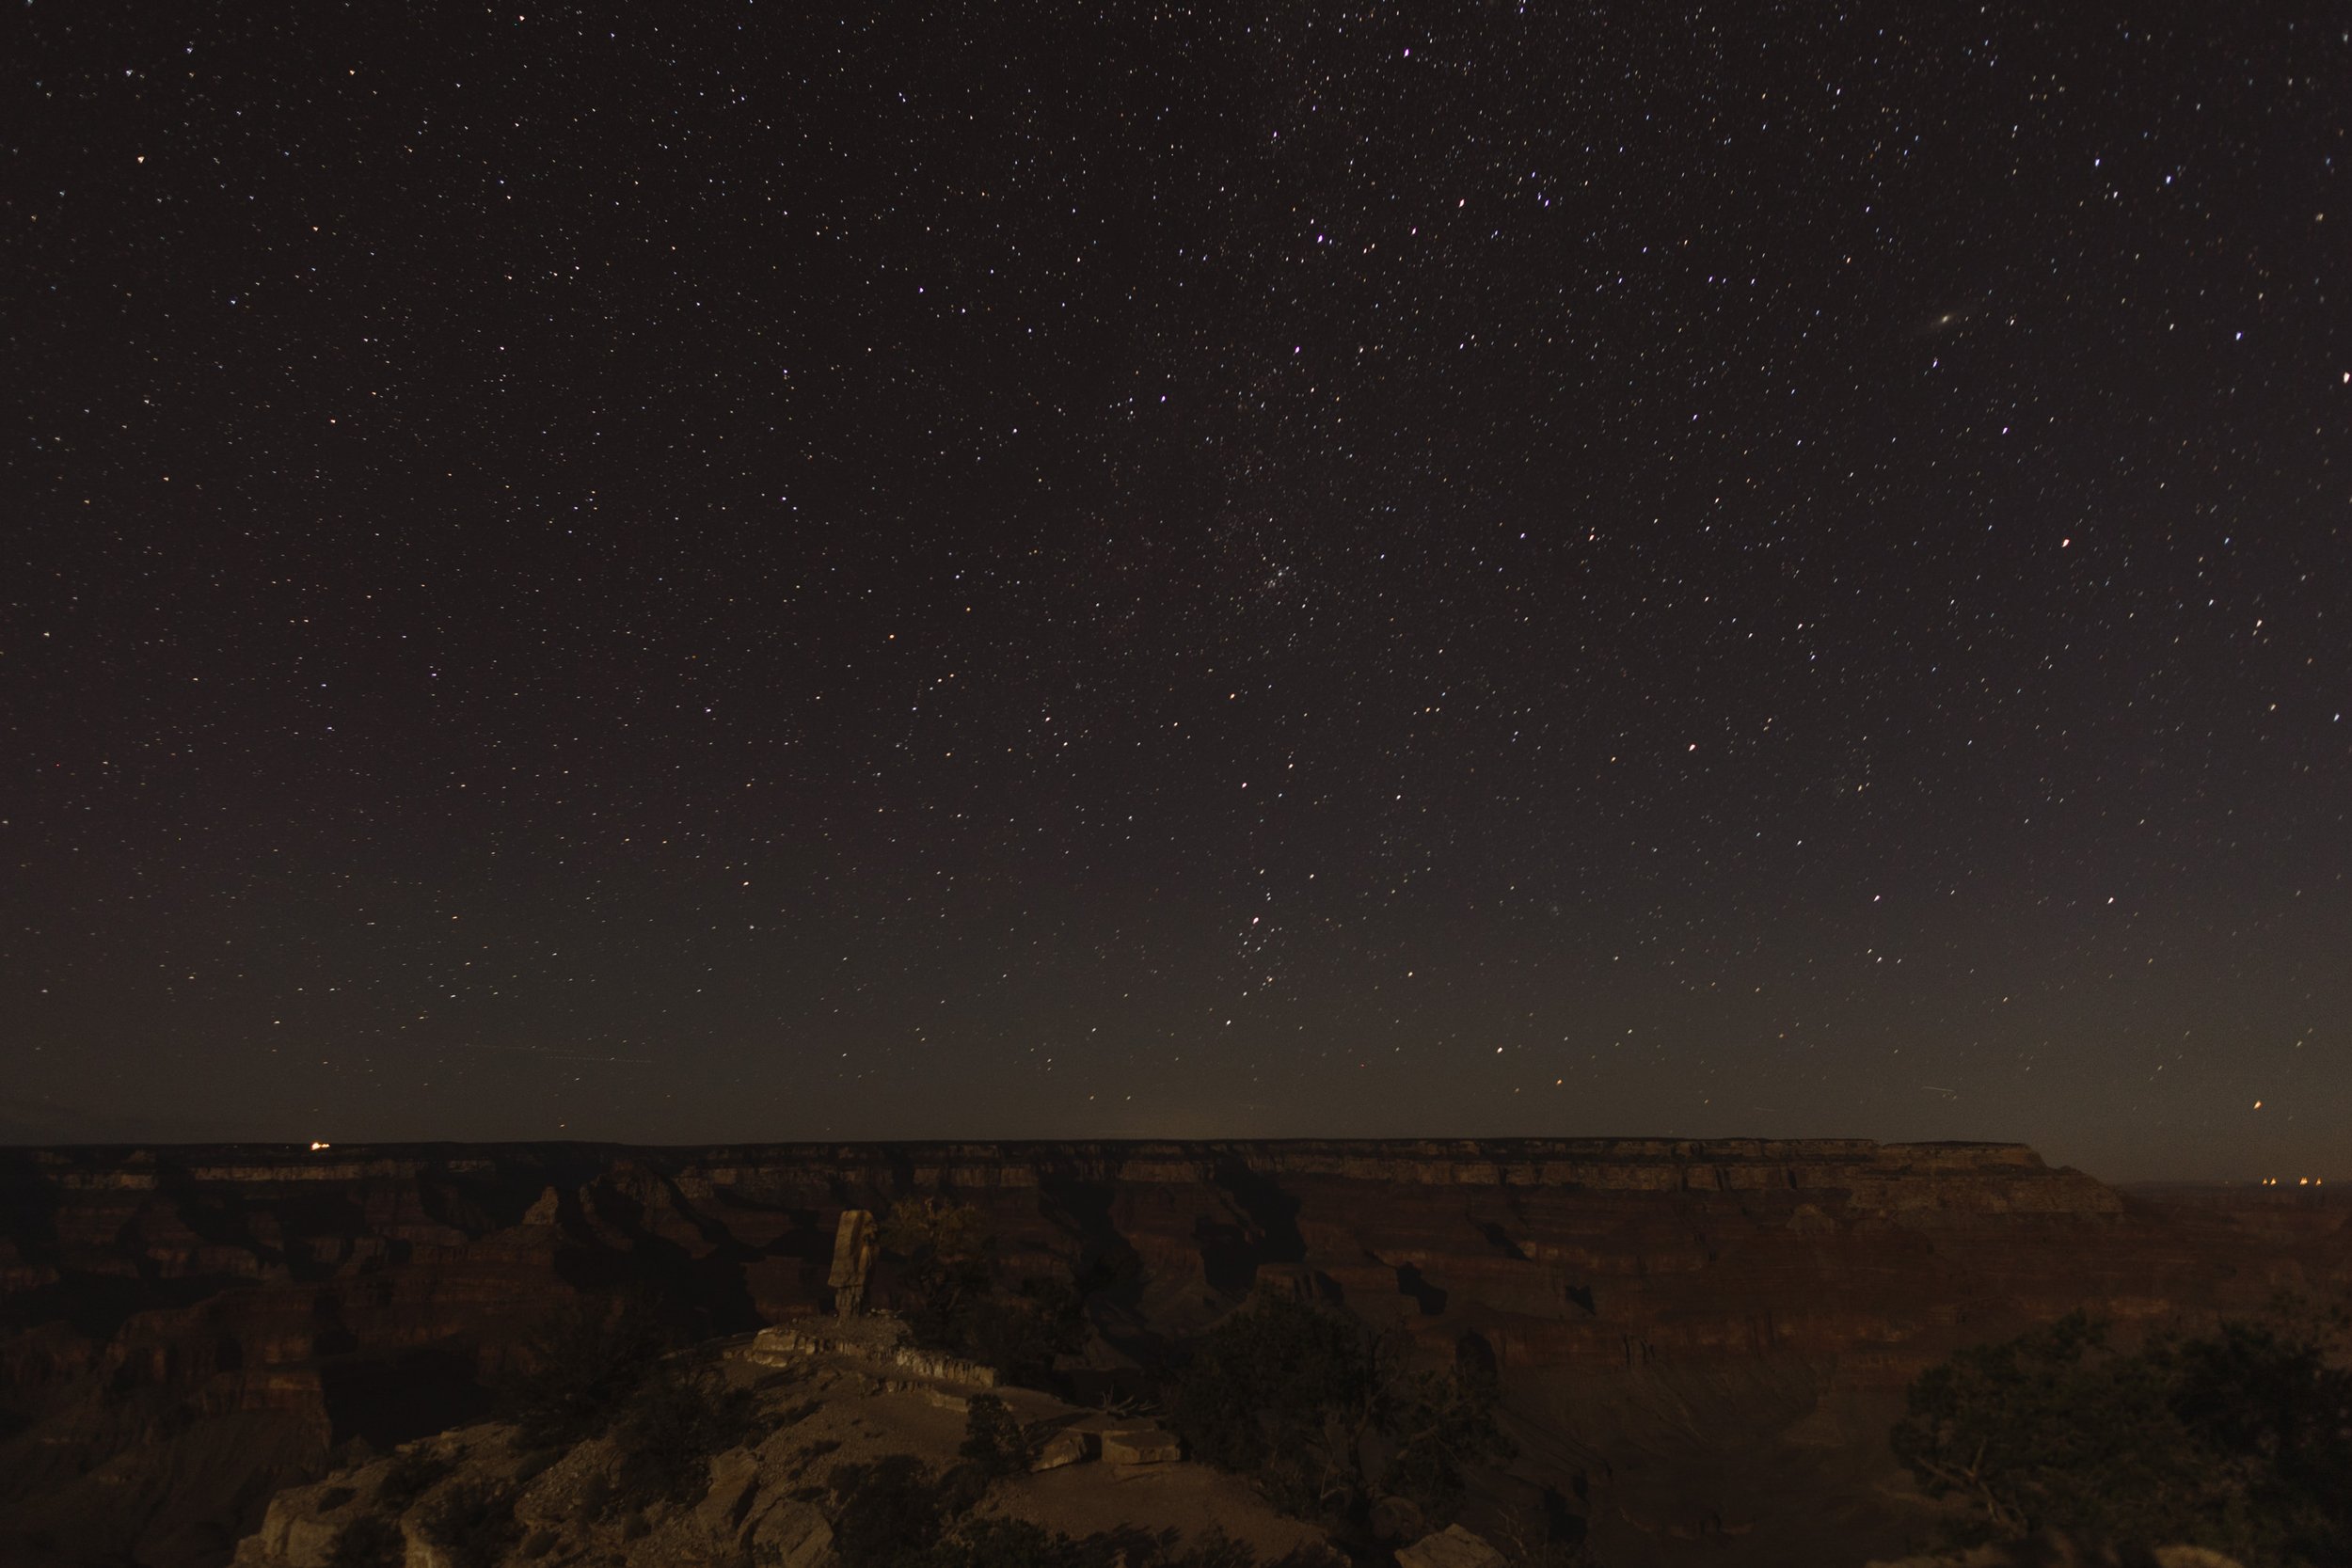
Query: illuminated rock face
column 1707, row 1338
column 1452, row 1547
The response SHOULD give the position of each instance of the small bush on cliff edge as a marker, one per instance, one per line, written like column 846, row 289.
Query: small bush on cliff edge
column 598, row 1367
column 577, row 1368
column 678, row 1416
column 887, row 1513
column 2239, row 1440
column 994, row 1439
column 1326, row 1417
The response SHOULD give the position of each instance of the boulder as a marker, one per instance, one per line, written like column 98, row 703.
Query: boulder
column 733, row 1477
column 1142, row 1446
column 1451, row 1548
column 1066, row 1447
column 791, row 1535
column 295, row 1534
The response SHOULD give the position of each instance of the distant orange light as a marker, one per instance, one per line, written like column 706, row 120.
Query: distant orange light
column 316, row 1145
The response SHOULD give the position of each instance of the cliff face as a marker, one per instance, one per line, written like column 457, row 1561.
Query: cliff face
column 1702, row 1342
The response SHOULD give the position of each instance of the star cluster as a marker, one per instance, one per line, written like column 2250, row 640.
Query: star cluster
column 1001, row 572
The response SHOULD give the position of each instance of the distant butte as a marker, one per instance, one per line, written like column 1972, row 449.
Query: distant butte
column 1702, row 1341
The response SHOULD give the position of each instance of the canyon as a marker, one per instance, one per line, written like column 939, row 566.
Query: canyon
column 1701, row 1344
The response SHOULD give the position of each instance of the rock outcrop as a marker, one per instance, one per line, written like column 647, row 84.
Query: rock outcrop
column 1701, row 1343
column 1141, row 1446
column 878, row 1341
column 1451, row 1548
column 771, row 1502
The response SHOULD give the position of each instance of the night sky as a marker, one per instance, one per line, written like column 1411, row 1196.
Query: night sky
column 680, row 574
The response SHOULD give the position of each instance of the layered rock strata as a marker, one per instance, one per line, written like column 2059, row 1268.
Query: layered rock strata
column 1701, row 1342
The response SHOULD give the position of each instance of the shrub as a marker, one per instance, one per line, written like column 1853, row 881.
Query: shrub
column 941, row 1296
column 1020, row 1335
column 953, row 1303
column 993, row 1440
column 936, row 1228
column 1430, row 1425
column 577, row 1368
column 677, row 1417
column 2237, row 1441
column 1325, row 1418
column 1268, row 1380
column 889, row 1514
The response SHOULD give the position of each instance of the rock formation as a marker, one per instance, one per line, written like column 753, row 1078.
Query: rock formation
column 853, row 1248
column 1451, row 1548
column 819, row 1407
column 1701, row 1343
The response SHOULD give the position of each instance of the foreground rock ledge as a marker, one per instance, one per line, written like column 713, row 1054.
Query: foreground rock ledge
column 827, row 1409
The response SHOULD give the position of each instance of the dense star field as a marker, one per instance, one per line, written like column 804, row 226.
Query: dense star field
column 738, row 574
